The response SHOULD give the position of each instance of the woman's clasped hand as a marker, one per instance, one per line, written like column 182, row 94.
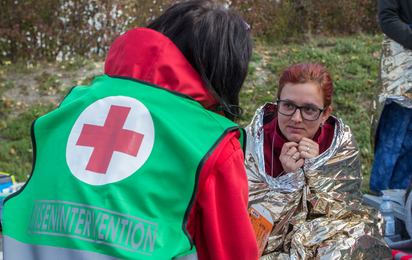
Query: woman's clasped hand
column 293, row 155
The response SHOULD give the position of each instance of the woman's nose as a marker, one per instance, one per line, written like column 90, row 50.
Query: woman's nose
column 297, row 117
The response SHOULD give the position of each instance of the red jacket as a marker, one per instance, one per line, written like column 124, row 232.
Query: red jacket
column 219, row 221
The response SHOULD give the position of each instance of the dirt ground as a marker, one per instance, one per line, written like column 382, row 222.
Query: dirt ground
column 27, row 89
column 27, row 86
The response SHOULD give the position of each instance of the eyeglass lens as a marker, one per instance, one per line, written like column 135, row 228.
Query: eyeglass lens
column 308, row 113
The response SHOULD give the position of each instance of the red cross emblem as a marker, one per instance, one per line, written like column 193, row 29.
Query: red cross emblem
column 109, row 138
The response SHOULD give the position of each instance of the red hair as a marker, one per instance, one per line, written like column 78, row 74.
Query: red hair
column 308, row 73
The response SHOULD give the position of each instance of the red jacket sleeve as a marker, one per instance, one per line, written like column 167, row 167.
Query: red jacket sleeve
column 219, row 222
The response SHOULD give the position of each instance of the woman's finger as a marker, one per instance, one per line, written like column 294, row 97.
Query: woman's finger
column 286, row 147
column 290, row 157
column 308, row 148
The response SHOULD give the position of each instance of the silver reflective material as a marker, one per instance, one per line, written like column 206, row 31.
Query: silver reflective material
column 394, row 80
column 318, row 210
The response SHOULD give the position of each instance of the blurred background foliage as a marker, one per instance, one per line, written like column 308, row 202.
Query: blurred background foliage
column 33, row 30
column 55, row 40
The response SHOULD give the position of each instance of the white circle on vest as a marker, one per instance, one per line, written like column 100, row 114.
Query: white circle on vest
column 111, row 139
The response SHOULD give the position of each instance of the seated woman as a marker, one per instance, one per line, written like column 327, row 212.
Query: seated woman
column 300, row 130
column 304, row 167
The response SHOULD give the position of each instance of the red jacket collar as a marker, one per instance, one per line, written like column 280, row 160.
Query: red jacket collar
column 147, row 55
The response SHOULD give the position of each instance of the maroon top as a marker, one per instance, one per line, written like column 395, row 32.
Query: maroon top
column 323, row 137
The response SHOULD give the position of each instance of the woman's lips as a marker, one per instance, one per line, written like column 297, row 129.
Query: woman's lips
column 295, row 129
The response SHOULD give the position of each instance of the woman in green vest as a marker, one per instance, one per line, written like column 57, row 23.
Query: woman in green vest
column 145, row 163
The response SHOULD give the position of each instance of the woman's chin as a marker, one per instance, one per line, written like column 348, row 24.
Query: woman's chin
column 294, row 138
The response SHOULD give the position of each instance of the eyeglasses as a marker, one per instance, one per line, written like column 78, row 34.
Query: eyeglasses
column 307, row 112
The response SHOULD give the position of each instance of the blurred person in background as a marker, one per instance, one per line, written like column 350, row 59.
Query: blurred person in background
column 391, row 131
column 146, row 162
column 391, row 135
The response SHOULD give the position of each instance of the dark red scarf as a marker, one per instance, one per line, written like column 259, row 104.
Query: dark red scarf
column 323, row 137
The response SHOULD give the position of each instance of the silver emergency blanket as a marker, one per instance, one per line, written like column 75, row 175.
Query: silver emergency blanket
column 318, row 210
column 394, row 80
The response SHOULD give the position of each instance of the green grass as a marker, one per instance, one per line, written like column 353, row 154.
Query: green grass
column 75, row 64
column 47, row 82
column 15, row 144
column 353, row 63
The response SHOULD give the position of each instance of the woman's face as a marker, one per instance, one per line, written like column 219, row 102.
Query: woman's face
column 294, row 127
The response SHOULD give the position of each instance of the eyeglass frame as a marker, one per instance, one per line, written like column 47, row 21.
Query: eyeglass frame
column 300, row 108
column 247, row 26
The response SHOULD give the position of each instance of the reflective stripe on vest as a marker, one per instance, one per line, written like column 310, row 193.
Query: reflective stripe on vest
column 188, row 257
column 35, row 252
column 32, row 252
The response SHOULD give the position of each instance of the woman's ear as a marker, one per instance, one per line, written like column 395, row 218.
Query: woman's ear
column 326, row 114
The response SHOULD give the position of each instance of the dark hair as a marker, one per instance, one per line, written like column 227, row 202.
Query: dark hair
column 215, row 41
column 308, row 73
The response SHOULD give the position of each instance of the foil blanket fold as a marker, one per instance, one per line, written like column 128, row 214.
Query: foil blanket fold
column 318, row 210
column 394, row 83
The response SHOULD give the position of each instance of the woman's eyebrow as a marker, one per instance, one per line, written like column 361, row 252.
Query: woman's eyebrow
column 308, row 104
column 311, row 105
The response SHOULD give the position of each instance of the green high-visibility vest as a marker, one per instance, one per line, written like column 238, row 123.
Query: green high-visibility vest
column 114, row 176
